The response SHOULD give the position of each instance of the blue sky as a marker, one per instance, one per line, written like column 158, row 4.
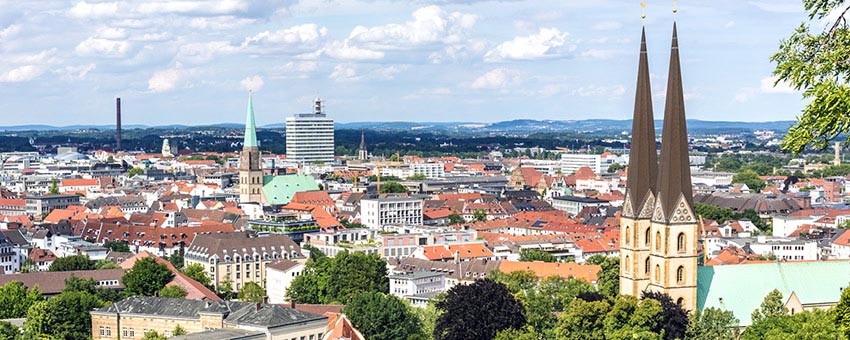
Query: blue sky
column 191, row 61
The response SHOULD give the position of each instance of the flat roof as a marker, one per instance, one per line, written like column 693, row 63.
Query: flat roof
column 416, row 275
column 580, row 199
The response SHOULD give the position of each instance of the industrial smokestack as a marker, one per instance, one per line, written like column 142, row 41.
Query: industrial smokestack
column 118, row 125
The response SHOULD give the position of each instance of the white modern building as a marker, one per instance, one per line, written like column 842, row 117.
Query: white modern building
column 784, row 248
column 310, row 136
column 571, row 162
column 376, row 213
column 419, row 286
column 279, row 277
column 575, row 204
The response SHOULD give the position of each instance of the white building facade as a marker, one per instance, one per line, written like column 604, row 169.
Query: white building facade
column 376, row 213
column 310, row 136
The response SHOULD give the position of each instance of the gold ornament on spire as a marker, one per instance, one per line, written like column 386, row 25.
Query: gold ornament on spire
column 675, row 7
column 643, row 11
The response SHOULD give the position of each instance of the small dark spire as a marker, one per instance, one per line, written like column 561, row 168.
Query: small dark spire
column 643, row 157
column 362, row 140
column 674, row 171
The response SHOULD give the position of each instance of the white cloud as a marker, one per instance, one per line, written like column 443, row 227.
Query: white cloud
column 767, row 86
column 344, row 73
column 729, row 24
column 389, row 72
column 98, row 47
column 169, row 79
column 299, row 66
column 344, row 51
column 295, row 35
column 599, row 54
column 9, row 31
column 600, row 91
column 76, row 72
column 458, row 52
column 547, row 43
column 21, row 73
column 496, row 79
column 253, row 83
column 111, row 33
column 608, row 26
column 205, row 51
column 86, row 10
column 220, row 23
column 430, row 24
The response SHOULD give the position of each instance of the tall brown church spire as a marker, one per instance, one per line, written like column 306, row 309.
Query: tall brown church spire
column 643, row 159
column 674, row 174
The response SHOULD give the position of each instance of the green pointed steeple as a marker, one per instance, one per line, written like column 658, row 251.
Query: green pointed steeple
column 250, row 127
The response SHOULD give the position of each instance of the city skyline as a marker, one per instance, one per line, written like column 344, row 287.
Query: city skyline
column 484, row 61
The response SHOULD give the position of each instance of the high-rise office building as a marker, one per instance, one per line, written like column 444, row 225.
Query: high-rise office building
column 310, row 136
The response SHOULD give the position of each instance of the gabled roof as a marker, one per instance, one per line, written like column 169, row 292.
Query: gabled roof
column 585, row 272
column 741, row 288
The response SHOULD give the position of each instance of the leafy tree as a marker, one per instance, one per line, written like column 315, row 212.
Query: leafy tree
column 712, row 323
column 77, row 284
column 8, row 331
column 454, row 218
column 525, row 333
column 633, row 319
column 225, row 290
column 583, row 320
column 176, row 259
column 65, row 316
column 135, row 171
column 16, row 299
column 382, row 316
column 815, row 63
column 479, row 215
column 675, row 321
column 146, row 277
column 105, row 264
column 173, row 291
column 609, row 276
column 69, row 263
column 428, row 316
column 393, row 188
column 251, row 292
column 197, row 273
column 54, row 187
column 153, row 335
column 29, row 266
column 417, row 177
column 315, row 253
column 771, row 306
column 814, row 325
column 117, row 246
column 110, row 159
column 529, row 255
column 615, row 167
column 178, row 330
column 339, row 279
column 478, row 311
column 842, row 313
column 751, row 179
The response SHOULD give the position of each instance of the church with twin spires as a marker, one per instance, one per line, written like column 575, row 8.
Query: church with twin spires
column 658, row 227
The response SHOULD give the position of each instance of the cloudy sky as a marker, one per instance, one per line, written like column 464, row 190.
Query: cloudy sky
column 192, row 61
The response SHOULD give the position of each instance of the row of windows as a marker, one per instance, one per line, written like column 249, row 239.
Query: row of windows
column 680, row 272
column 680, row 240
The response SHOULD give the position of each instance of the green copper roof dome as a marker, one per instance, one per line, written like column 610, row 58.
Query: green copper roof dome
column 250, row 127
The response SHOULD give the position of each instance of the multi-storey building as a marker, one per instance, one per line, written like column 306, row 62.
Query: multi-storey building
column 418, row 286
column 39, row 206
column 376, row 213
column 571, row 162
column 310, row 136
column 132, row 317
column 239, row 257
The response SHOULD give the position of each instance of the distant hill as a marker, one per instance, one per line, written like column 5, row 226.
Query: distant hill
column 511, row 126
